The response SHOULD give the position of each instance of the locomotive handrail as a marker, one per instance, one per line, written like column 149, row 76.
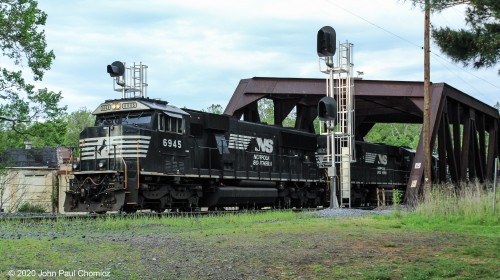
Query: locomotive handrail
column 209, row 160
column 371, row 175
column 285, row 167
column 137, row 167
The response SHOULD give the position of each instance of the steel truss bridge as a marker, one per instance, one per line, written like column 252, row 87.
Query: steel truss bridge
column 464, row 129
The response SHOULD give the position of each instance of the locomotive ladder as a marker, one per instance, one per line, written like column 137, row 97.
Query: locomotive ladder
column 343, row 87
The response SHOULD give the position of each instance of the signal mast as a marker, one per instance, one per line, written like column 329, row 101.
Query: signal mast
column 337, row 115
column 138, row 79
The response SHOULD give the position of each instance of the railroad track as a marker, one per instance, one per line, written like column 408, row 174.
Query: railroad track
column 51, row 216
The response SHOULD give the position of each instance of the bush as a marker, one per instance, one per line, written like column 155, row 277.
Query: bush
column 28, row 207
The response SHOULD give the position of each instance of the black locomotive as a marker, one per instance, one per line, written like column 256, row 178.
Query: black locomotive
column 146, row 154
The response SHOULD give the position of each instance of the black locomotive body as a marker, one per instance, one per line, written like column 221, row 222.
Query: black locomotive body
column 375, row 166
column 145, row 154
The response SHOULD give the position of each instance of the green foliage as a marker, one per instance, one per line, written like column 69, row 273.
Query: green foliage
column 27, row 207
column 22, row 40
column 479, row 44
column 396, row 200
column 76, row 122
column 396, row 134
column 266, row 113
column 214, row 109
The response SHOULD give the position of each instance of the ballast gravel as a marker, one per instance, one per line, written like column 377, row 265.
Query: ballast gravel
column 349, row 212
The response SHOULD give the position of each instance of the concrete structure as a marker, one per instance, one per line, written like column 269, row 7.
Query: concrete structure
column 37, row 176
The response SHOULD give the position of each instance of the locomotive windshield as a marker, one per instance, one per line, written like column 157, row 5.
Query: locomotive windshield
column 137, row 119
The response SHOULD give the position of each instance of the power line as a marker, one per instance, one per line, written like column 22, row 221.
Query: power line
column 461, row 69
column 376, row 25
column 418, row 46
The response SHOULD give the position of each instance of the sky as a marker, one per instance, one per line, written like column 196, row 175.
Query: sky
column 197, row 51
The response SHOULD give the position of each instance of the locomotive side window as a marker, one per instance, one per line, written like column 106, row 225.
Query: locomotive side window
column 170, row 123
column 161, row 122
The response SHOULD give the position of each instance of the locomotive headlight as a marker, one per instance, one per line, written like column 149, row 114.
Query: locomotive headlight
column 101, row 164
column 115, row 106
column 75, row 165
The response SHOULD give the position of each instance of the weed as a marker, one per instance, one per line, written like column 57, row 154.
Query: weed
column 390, row 245
column 396, row 200
column 28, row 207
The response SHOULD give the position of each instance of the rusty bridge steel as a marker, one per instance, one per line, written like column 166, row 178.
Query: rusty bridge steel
column 466, row 129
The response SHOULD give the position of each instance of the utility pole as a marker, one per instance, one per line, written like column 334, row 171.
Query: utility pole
column 427, row 105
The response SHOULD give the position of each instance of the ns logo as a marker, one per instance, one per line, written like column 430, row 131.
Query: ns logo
column 264, row 145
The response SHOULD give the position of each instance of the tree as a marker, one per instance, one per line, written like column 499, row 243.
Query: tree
column 77, row 121
column 266, row 113
column 395, row 134
column 22, row 41
column 214, row 109
column 478, row 45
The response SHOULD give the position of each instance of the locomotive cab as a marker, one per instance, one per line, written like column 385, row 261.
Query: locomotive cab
column 113, row 152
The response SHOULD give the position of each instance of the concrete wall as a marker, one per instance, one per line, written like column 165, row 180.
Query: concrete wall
column 33, row 185
column 40, row 186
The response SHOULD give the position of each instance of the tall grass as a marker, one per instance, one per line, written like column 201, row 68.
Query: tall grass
column 470, row 204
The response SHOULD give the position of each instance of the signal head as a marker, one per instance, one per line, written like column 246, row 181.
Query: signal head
column 326, row 41
column 116, row 69
column 327, row 109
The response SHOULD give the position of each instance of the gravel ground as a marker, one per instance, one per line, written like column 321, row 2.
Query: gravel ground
column 349, row 212
column 303, row 249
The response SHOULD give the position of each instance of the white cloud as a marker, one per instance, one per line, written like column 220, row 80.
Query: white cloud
column 197, row 51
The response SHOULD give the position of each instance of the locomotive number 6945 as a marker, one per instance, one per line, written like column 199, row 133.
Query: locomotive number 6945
column 172, row 143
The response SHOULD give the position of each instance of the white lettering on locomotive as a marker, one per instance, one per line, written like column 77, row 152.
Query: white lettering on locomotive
column 172, row 143
column 264, row 145
column 382, row 159
column 263, row 160
column 371, row 157
column 241, row 142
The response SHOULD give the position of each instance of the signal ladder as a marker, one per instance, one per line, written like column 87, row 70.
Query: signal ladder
column 137, row 82
column 342, row 153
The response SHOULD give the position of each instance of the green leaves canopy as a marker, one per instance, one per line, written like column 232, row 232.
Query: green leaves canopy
column 22, row 42
column 478, row 45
